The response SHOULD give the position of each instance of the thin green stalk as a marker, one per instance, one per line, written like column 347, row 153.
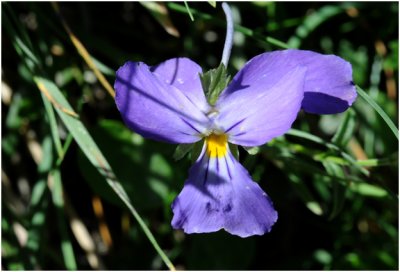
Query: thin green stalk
column 188, row 11
column 379, row 110
column 22, row 49
column 364, row 163
column 147, row 232
column 377, row 162
column 53, row 125
column 313, row 138
column 19, row 26
column 246, row 31
column 58, row 201
column 277, row 42
column 65, row 147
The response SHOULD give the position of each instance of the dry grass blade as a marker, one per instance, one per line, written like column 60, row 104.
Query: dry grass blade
column 44, row 90
column 160, row 13
column 84, row 53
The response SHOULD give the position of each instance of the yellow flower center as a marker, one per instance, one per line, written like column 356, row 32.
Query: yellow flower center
column 217, row 145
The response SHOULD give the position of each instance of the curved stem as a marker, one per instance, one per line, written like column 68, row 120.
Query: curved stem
column 229, row 34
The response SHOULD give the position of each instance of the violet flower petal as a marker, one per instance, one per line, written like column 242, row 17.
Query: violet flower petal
column 155, row 109
column 262, row 101
column 183, row 73
column 219, row 194
column 328, row 86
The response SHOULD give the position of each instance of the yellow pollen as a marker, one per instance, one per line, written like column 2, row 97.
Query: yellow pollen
column 217, row 145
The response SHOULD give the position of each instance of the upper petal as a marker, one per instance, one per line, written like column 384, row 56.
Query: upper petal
column 263, row 99
column 219, row 194
column 183, row 73
column 156, row 109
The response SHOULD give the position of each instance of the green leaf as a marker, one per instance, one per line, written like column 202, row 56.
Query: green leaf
column 213, row 3
column 53, row 125
column 214, row 82
column 345, row 130
column 13, row 118
column 316, row 139
column 198, row 146
column 339, row 190
column 58, row 201
column 103, row 68
column 367, row 189
column 252, row 150
column 48, row 156
column 235, row 150
column 379, row 110
column 181, row 151
column 391, row 160
column 23, row 46
column 93, row 153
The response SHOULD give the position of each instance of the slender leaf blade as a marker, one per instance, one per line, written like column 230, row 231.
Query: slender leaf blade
column 345, row 130
column 58, row 201
column 379, row 110
column 181, row 151
column 93, row 153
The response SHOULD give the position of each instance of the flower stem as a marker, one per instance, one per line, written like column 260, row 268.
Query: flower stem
column 229, row 34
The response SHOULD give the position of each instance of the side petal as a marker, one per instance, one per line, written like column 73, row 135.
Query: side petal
column 155, row 109
column 219, row 194
column 183, row 74
column 328, row 86
column 262, row 101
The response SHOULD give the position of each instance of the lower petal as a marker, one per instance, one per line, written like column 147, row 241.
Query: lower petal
column 219, row 194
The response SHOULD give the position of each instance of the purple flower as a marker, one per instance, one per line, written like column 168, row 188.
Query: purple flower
column 167, row 103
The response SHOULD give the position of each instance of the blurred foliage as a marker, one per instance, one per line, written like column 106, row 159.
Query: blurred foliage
column 333, row 178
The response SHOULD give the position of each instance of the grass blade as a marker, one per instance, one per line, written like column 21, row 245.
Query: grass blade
column 339, row 190
column 93, row 153
column 84, row 53
column 345, row 130
column 311, row 22
column 160, row 13
column 316, row 139
column 246, row 31
column 53, row 125
column 212, row 3
column 379, row 110
column 181, row 151
column 58, row 201
column 189, row 12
